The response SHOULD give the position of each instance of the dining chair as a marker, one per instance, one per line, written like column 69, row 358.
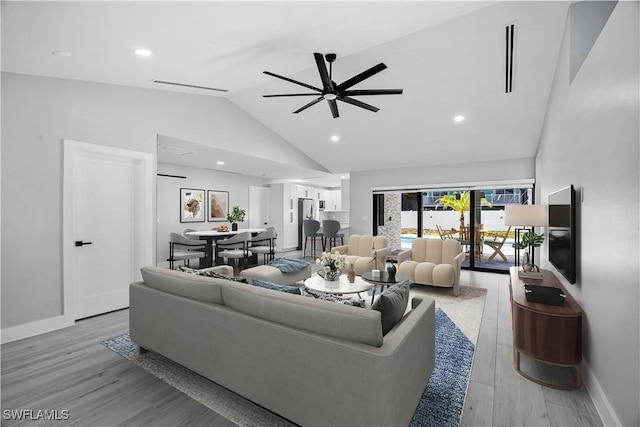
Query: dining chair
column 496, row 244
column 184, row 249
column 330, row 233
column 310, row 228
column 265, row 243
column 235, row 247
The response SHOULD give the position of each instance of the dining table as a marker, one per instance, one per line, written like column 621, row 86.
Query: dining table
column 210, row 236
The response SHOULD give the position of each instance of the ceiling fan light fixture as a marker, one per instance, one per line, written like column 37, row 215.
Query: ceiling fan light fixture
column 332, row 92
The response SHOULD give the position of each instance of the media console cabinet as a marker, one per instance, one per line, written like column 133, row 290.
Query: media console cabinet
column 547, row 333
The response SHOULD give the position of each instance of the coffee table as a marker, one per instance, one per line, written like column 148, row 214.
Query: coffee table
column 383, row 280
column 338, row 287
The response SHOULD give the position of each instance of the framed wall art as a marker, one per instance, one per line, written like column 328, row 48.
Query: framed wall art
column 192, row 205
column 218, row 205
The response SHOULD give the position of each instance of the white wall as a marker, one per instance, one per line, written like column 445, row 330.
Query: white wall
column 360, row 218
column 590, row 139
column 37, row 114
column 168, row 202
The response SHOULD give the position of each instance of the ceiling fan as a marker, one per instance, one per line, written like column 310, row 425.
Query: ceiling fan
column 333, row 92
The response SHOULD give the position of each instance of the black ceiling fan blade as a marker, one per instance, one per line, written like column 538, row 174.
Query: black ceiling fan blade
column 333, row 106
column 315, row 101
column 358, row 103
column 291, row 80
column 360, row 77
column 364, row 92
column 289, row 94
column 324, row 74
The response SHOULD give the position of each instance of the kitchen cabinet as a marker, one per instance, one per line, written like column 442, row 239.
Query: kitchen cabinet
column 284, row 215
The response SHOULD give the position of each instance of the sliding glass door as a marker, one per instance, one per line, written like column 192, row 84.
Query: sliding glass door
column 473, row 215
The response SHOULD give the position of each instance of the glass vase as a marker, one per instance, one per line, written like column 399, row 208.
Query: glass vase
column 332, row 275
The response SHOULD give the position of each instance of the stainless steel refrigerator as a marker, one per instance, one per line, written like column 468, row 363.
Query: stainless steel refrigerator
column 306, row 210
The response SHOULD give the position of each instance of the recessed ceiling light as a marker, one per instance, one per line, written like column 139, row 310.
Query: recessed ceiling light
column 458, row 118
column 335, row 138
column 142, row 52
column 61, row 53
column 220, row 162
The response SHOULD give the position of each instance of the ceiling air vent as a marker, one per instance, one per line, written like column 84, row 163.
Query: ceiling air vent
column 163, row 82
column 510, row 32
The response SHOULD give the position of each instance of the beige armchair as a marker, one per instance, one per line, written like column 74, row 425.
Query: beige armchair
column 433, row 262
column 365, row 252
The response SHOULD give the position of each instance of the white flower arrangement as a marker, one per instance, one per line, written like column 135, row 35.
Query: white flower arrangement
column 332, row 261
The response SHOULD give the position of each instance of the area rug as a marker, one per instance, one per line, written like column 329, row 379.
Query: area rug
column 441, row 403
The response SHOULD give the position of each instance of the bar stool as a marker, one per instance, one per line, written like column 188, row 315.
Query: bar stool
column 310, row 228
column 330, row 229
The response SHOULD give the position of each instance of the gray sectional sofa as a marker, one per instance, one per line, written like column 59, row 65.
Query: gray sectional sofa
column 312, row 362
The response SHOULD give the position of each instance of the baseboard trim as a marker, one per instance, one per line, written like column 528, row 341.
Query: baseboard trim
column 15, row 333
column 604, row 408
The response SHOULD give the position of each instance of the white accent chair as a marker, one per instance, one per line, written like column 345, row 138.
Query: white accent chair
column 433, row 262
column 365, row 252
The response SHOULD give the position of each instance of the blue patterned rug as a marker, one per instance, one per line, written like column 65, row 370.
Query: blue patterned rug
column 441, row 403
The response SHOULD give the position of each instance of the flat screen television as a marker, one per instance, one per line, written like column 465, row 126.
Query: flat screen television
column 562, row 232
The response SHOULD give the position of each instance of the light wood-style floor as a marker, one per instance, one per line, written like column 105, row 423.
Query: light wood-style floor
column 497, row 394
column 70, row 370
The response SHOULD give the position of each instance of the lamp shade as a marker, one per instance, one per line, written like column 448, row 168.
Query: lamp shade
column 525, row 215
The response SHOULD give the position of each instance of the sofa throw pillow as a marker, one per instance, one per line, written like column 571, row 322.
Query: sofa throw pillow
column 211, row 273
column 392, row 304
column 333, row 298
column 276, row 287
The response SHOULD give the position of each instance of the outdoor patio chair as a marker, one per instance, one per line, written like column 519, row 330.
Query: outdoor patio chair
column 497, row 243
column 445, row 234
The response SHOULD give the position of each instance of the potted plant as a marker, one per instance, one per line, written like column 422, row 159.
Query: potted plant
column 460, row 202
column 237, row 215
column 530, row 239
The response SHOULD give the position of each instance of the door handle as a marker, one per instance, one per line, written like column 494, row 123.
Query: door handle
column 81, row 243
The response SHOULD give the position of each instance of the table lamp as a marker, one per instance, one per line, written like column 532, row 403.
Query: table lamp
column 524, row 216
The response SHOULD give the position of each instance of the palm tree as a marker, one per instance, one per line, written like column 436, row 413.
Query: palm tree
column 460, row 202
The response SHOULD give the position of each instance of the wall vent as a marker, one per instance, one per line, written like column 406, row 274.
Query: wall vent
column 163, row 82
column 510, row 34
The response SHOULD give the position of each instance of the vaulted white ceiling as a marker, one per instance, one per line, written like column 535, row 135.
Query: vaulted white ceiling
column 447, row 56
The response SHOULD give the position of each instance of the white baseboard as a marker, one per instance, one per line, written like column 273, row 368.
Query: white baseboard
column 38, row 327
column 600, row 400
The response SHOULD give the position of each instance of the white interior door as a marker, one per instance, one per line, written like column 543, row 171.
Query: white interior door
column 259, row 202
column 107, row 220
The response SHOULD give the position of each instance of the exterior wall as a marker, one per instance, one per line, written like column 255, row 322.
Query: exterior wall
column 392, row 219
